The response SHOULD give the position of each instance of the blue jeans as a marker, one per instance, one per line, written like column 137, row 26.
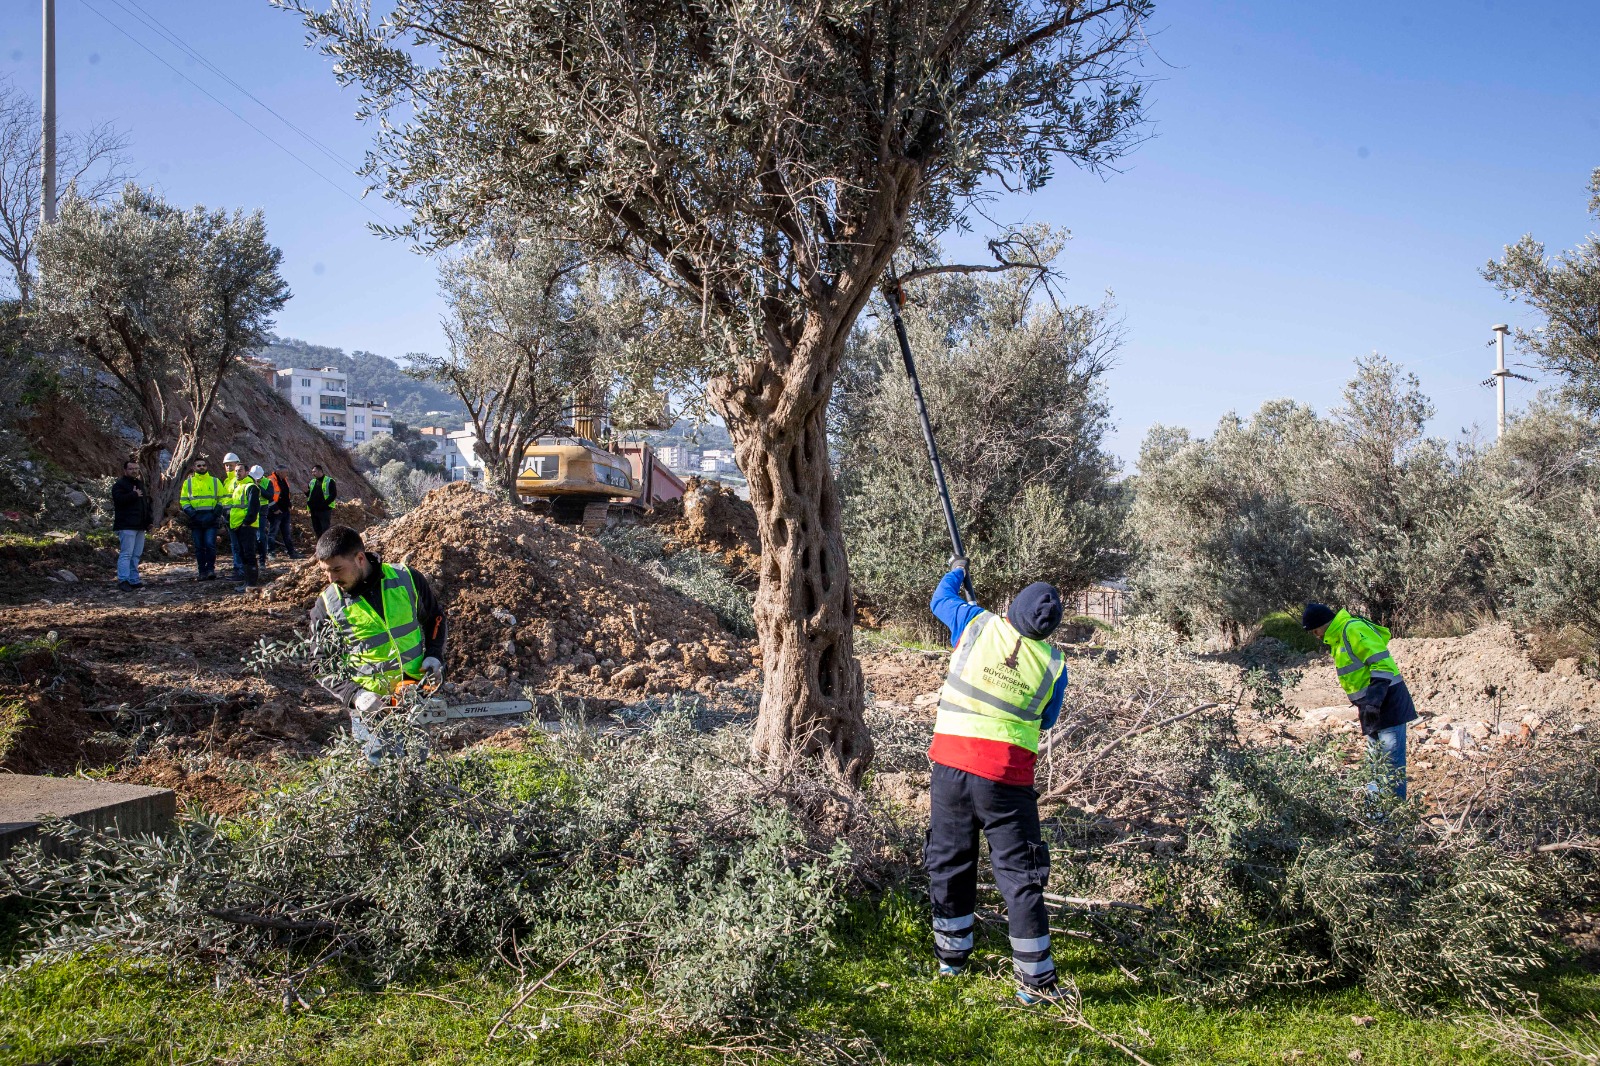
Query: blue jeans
column 1389, row 745
column 128, row 559
column 203, row 533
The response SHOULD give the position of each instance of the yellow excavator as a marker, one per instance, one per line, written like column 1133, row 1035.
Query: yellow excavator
column 579, row 478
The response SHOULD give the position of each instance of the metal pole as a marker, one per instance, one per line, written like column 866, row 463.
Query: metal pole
column 49, row 101
column 892, row 296
column 1500, row 374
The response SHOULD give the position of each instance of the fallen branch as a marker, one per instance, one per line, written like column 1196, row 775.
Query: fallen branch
column 1065, row 787
column 268, row 921
column 528, row 994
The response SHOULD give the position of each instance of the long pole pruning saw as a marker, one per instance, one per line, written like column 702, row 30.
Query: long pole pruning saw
column 895, row 295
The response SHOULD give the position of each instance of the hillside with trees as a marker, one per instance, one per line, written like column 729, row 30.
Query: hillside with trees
column 373, row 377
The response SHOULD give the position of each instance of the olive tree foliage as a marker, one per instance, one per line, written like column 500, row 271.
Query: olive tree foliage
column 1013, row 385
column 1359, row 507
column 523, row 339
column 89, row 164
column 160, row 302
column 763, row 161
column 1543, row 485
column 1564, row 291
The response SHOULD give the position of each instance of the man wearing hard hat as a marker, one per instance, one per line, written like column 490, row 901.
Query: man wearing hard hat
column 243, row 498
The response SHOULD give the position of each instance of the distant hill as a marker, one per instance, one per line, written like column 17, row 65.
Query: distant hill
column 373, row 377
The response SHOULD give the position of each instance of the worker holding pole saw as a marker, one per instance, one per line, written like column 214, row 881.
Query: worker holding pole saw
column 1005, row 683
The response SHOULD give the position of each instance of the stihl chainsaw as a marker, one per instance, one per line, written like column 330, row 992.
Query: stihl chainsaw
column 429, row 709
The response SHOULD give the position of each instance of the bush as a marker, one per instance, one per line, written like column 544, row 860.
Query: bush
column 651, row 859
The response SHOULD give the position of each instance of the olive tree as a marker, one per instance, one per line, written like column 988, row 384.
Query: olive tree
column 1564, row 291
column 1013, row 383
column 161, row 302
column 763, row 160
column 522, row 340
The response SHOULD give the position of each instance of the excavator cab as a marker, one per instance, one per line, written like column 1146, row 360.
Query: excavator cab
column 579, row 479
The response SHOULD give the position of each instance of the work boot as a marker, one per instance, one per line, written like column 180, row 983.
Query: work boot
column 1045, row 996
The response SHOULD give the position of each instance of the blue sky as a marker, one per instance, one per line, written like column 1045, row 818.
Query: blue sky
column 1321, row 181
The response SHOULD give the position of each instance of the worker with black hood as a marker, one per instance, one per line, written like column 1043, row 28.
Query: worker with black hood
column 1005, row 684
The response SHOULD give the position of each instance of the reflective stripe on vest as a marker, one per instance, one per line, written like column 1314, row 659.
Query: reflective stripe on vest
column 998, row 684
column 202, row 492
column 381, row 650
column 1356, row 672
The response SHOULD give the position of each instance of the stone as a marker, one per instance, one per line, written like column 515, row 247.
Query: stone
column 630, row 676
column 175, row 548
column 504, row 617
column 1533, row 722
column 586, row 660
column 66, row 576
column 1478, row 730
column 1460, row 739
column 927, row 699
column 1362, row 1021
column 496, row 671
column 1565, row 667
column 509, row 647
column 659, row 650
column 1354, row 1056
column 76, row 498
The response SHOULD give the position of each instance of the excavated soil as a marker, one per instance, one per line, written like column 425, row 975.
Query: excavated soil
column 537, row 607
column 710, row 518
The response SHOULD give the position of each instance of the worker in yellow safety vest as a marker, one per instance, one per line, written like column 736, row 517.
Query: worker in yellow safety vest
column 1371, row 679
column 243, row 497
column 389, row 626
column 202, row 501
column 1005, row 684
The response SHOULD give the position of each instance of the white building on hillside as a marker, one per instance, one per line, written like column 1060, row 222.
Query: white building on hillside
column 321, row 395
column 460, row 451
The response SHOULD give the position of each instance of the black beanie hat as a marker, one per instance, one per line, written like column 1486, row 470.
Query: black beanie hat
column 1317, row 614
column 1036, row 611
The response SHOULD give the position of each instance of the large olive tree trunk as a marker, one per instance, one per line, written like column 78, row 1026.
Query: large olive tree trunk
column 812, row 692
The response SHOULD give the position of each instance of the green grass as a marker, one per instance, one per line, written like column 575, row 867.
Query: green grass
column 878, row 986
column 1285, row 626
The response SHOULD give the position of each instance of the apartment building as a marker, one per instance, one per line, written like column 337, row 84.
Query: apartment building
column 321, row 395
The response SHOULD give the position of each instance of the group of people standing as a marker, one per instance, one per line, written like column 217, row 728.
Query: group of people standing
column 253, row 506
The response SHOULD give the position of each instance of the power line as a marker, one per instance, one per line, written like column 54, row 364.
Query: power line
column 155, row 24
column 209, row 95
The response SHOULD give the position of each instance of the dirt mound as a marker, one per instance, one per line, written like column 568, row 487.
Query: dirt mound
column 30, row 568
column 535, row 605
column 710, row 518
column 1487, row 672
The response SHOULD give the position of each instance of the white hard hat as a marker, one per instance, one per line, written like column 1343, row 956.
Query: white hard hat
column 256, row 471
column 231, row 457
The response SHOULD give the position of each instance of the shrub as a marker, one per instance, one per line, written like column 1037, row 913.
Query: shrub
column 651, row 859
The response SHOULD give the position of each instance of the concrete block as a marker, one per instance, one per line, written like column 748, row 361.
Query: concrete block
column 26, row 800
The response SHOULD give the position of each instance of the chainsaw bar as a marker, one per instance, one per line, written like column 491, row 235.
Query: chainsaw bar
column 435, row 711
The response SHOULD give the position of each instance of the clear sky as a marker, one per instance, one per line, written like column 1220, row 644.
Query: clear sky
column 1322, row 181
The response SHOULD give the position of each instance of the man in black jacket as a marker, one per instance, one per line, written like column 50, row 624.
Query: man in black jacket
column 320, row 496
column 131, row 514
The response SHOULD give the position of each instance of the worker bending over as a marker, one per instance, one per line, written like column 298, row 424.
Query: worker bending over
column 392, row 627
column 1005, row 684
column 1369, row 676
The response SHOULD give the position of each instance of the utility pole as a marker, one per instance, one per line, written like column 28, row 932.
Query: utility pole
column 1500, row 375
column 49, row 95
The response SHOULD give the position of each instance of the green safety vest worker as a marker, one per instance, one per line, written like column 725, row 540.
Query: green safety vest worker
column 201, row 492
column 1360, row 654
column 998, row 684
column 383, row 649
column 317, row 493
column 237, row 490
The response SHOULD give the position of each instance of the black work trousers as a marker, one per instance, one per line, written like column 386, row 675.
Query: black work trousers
column 964, row 803
column 320, row 521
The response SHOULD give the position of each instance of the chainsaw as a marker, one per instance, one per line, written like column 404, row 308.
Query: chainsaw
column 430, row 709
